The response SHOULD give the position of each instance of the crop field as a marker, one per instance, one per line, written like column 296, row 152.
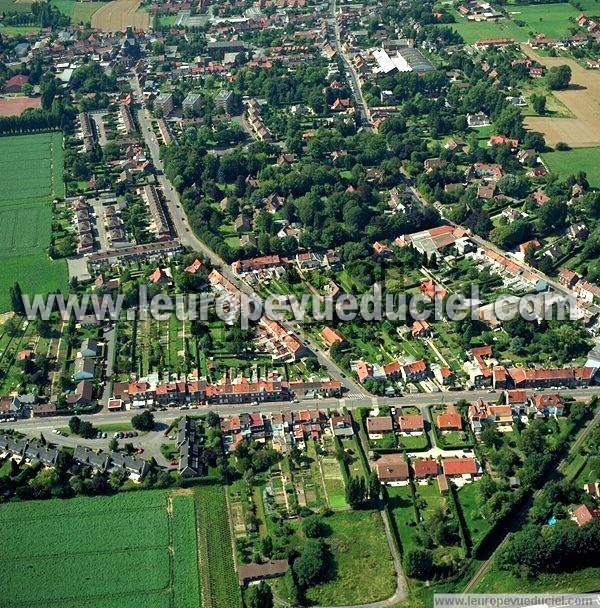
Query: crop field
column 572, row 161
column 115, row 16
column 124, row 550
column 31, row 168
column 582, row 98
column 10, row 6
column 80, row 12
column 217, row 575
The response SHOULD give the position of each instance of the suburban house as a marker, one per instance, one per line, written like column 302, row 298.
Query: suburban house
column 393, row 470
column 377, row 426
column 341, row 425
column 411, row 424
column 450, row 420
column 84, row 369
column 423, row 469
column 461, row 470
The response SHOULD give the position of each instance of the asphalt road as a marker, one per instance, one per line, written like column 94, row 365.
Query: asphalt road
column 166, row 417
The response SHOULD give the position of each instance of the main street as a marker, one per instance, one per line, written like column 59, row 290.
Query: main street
column 189, row 239
column 421, row 400
column 361, row 106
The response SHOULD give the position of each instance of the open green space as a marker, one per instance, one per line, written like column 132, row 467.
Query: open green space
column 502, row 581
column 362, row 565
column 31, row 175
column 572, row 161
column 472, row 31
column 549, row 19
column 124, row 550
column 468, row 498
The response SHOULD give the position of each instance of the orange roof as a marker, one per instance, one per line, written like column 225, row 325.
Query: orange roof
column 331, row 336
column 459, row 466
column 449, row 420
column 425, row 468
column 194, row 267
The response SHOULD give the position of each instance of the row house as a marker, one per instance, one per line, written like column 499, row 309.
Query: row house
column 521, row 377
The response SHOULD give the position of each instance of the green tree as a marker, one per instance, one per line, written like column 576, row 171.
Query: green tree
column 16, row 299
column 313, row 526
column 310, row 566
column 418, row 563
column 559, row 77
column 143, row 421
column 259, row 596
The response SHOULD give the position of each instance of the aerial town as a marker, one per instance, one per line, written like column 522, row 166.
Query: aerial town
column 298, row 154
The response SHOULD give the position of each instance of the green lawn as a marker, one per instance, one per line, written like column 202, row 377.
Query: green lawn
column 418, row 442
column 468, row 498
column 501, row 581
column 401, row 507
column 549, row 19
column 590, row 7
column 572, row 161
column 363, row 570
column 11, row 30
column 31, row 175
column 64, row 6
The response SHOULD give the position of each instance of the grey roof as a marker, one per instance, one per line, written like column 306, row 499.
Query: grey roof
column 138, row 466
column 87, row 456
column 47, row 456
column 89, row 344
column 13, row 445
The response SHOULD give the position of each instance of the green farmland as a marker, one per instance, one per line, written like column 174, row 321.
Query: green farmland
column 553, row 20
column 570, row 162
column 31, row 168
column 136, row 549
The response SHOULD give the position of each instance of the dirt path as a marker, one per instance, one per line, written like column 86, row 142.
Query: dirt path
column 583, row 100
column 117, row 15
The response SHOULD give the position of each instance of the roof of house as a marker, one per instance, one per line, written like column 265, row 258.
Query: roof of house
column 459, row 466
column 380, row 424
column 449, row 420
column 425, row 468
column 411, row 422
column 582, row 515
column 392, row 467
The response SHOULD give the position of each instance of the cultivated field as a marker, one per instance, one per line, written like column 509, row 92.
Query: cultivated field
column 79, row 12
column 219, row 582
column 583, row 100
column 31, row 168
column 136, row 549
column 117, row 15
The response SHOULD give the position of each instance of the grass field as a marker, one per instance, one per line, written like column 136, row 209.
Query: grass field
column 31, row 168
column 125, row 550
column 468, row 498
column 362, row 562
column 501, row 581
column 549, row 19
column 572, row 161
column 472, row 31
